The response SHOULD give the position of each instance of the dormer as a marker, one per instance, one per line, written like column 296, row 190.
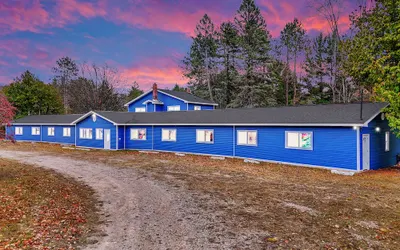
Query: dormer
column 160, row 100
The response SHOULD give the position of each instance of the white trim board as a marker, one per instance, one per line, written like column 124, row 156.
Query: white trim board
column 243, row 125
column 91, row 113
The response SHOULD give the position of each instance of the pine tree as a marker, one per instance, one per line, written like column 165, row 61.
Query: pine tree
column 199, row 64
column 256, row 87
column 228, row 48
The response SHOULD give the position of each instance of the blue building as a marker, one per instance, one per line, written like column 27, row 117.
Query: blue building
column 161, row 100
column 330, row 136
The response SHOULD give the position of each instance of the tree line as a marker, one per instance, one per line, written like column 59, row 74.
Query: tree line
column 239, row 64
column 74, row 88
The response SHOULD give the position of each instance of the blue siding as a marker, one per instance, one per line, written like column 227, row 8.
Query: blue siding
column 121, row 137
column 166, row 99
column 203, row 107
column 26, row 133
column 332, row 147
column 186, row 140
column 379, row 157
column 58, row 135
column 100, row 123
column 57, row 138
column 139, row 144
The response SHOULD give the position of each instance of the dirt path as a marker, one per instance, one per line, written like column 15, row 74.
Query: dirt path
column 139, row 213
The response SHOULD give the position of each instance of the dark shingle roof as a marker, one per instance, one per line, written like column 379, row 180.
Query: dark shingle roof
column 47, row 119
column 316, row 115
column 324, row 115
column 187, row 97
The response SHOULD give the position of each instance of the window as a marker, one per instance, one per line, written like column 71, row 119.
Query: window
column 247, row 137
column 138, row 134
column 85, row 133
column 35, row 130
column 168, row 135
column 204, row 136
column 99, row 134
column 387, row 141
column 299, row 140
column 67, row 132
column 18, row 131
column 197, row 107
column 143, row 109
column 174, row 108
column 50, row 131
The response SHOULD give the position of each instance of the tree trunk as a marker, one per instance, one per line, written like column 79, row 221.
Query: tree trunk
column 287, row 77
column 295, row 78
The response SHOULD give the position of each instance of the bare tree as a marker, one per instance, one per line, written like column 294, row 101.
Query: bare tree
column 331, row 11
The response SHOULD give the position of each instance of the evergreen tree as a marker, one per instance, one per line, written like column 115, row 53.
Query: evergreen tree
column 256, row 88
column 134, row 92
column 200, row 63
column 228, row 41
column 33, row 97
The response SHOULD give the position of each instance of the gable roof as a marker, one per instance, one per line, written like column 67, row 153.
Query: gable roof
column 313, row 115
column 48, row 119
column 183, row 96
column 341, row 115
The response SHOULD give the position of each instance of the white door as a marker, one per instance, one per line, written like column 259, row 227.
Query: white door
column 107, row 139
column 366, row 152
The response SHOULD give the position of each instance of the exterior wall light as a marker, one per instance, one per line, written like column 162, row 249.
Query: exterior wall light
column 377, row 129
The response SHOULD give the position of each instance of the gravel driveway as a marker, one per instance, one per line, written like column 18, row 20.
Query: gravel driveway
column 139, row 213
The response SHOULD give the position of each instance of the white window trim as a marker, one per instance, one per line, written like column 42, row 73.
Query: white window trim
column 35, row 130
column 19, row 130
column 205, row 142
column 387, row 141
column 84, row 138
column 172, row 108
column 102, row 134
column 133, row 139
column 53, row 129
column 140, row 108
column 66, row 134
column 299, row 148
column 176, row 135
column 247, row 136
column 197, row 106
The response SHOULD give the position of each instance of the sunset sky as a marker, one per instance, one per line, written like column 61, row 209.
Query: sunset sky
column 144, row 39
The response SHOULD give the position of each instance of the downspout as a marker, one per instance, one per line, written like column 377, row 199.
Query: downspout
column 124, row 137
column 234, row 141
column 358, row 149
column 117, row 139
column 41, row 133
column 152, row 137
column 75, row 134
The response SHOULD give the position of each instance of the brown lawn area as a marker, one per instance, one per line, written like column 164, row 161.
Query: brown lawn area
column 290, row 207
column 43, row 210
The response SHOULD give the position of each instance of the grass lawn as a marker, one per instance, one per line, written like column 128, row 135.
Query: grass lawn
column 40, row 209
column 285, row 206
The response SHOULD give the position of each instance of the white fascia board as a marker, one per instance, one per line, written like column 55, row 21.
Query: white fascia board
column 186, row 101
column 127, row 104
column 248, row 124
column 42, row 124
column 373, row 117
column 202, row 103
column 91, row 113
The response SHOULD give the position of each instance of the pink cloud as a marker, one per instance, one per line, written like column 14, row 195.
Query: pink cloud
column 164, row 71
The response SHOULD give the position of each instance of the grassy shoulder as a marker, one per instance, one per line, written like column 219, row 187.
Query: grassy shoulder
column 40, row 209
